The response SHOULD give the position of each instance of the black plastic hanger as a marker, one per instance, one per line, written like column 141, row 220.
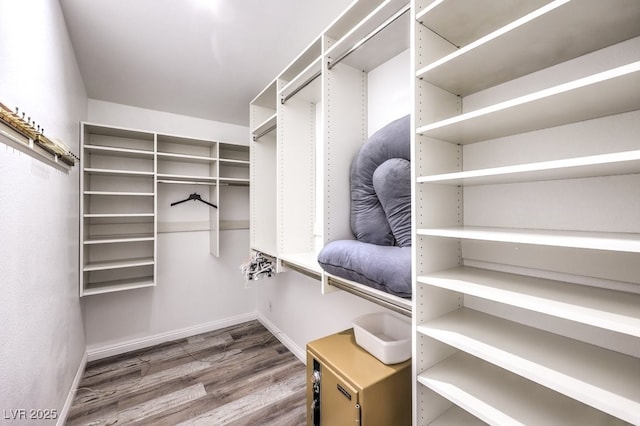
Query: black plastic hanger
column 195, row 197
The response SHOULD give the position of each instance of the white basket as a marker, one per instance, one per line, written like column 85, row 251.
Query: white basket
column 384, row 336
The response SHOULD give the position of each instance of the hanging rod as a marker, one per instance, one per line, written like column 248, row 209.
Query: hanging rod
column 186, row 182
column 386, row 300
column 302, row 86
column 369, row 36
column 261, row 134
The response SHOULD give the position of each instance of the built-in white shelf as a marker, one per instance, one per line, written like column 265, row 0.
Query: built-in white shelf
column 234, row 181
column 381, row 36
column 498, row 397
column 597, row 95
column 123, row 173
column 265, row 127
column 604, row 379
column 118, row 152
column 464, row 21
column 118, row 264
column 304, row 79
column 190, row 178
column 117, row 285
column 185, row 158
column 623, row 242
column 619, row 163
column 233, row 163
column 607, row 309
column 306, row 261
column 113, row 239
column 120, row 193
column 132, row 215
column 467, row 69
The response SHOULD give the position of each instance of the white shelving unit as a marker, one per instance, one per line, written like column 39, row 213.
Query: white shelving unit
column 306, row 127
column 117, row 207
column 123, row 207
column 526, row 234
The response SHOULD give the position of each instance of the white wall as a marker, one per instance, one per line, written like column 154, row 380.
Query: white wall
column 195, row 291
column 290, row 302
column 40, row 317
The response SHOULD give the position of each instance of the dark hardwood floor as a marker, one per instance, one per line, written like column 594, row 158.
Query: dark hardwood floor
column 240, row 375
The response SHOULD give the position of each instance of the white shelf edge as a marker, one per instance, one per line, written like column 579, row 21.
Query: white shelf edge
column 185, row 157
column 232, row 162
column 528, row 100
column 623, row 242
column 491, row 36
column 120, row 193
column 186, row 177
column 312, row 71
column 118, row 150
column 372, row 22
column 596, row 165
column 570, row 367
column 497, row 396
column 91, row 170
column 118, row 264
column 117, row 285
column 90, row 215
column 607, row 309
column 119, row 239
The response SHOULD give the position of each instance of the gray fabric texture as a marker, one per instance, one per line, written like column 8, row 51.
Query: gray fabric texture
column 392, row 184
column 386, row 268
column 368, row 220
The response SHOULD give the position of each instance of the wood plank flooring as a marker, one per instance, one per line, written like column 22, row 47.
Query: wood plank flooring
column 240, row 375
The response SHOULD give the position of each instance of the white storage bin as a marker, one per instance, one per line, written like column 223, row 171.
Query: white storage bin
column 384, row 336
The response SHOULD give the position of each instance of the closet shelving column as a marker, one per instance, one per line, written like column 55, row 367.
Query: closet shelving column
column 263, row 195
column 299, row 103
column 526, row 303
column 365, row 36
column 233, row 191
column 118, row 209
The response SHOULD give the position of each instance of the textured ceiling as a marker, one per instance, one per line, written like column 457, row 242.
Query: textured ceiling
column 202, row 58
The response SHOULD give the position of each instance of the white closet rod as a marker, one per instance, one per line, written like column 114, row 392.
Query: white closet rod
column 302, row 86
column 369, row 36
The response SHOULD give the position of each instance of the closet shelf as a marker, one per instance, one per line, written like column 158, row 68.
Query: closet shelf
column 118, row 264
column 373, row 22
column 234, row 181
column 610, row 241
column 183, row 178
column 607, row 309
column 120, row 193
column 132, row 215
column 265, row 127
column 117, row 285
column 598, row 95
column 307, row 261
column 123, row 173
column 309, row 75
column 112, row 239
column 619, row 163
column 233, row 162
column 604, row 379
column 461, row 22
column 467, row 70
column 185, row 158
column 498, row 397
column 118, row 152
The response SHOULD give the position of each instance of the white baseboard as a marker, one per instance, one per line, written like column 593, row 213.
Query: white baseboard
column 64, row 412
column 99, row 352
column 299, row 352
